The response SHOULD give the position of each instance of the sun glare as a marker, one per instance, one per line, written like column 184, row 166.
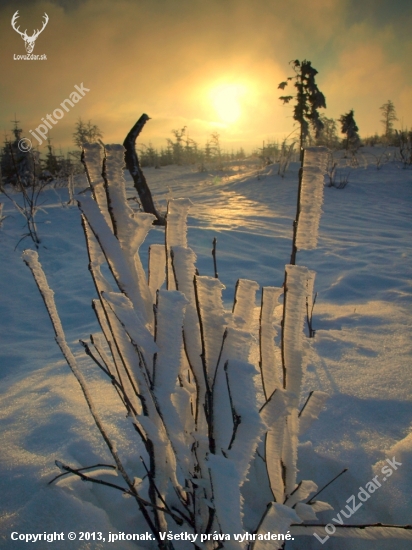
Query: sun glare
column 226, row 100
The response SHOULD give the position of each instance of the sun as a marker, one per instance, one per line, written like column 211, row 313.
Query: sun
column 226, row 100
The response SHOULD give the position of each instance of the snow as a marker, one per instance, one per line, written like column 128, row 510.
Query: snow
column 277, row 515
column 360, row 355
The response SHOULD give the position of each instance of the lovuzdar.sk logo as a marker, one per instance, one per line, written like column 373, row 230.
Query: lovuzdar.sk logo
column 29, row 41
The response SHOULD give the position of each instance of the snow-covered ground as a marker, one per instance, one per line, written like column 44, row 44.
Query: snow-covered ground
column 360, row 355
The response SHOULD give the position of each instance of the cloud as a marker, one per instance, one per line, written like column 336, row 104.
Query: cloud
column 68, row 5
column 365, row 76
column 163, row 57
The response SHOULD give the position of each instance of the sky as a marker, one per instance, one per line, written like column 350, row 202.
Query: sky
column 211, row 66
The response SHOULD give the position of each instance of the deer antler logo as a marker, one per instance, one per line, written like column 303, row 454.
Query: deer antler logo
column 29, row 40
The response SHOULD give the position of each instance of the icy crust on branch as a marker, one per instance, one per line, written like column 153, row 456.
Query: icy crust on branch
column 225, row 485
column 98, row 345
column 183, row 261
column 240, row 375
column 280, row 412
column 110, row 195
column 127, row 277
column 274, row 413
column 151, row 420
column 129, row 228
column 311, row 197
column 96, row 259
column 166, row 369
column 269, row 355
column 290, row 451
column 123, row 309
column 176, row 231
column 157, row 268
column 244, row 303
column 208, row 293
column 170, row 305
column 176, row 228
column 120, row 212
column 93, row 156
column 301, row 492
column 108, row 321
column 295, row 297
column 31, row 258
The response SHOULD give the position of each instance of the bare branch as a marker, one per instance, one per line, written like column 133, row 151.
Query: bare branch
column 133, row 165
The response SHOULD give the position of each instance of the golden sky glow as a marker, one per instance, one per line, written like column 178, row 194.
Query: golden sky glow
column 210, row 66
column 226, row 100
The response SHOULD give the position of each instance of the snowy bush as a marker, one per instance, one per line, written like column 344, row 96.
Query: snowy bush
column 217, row 421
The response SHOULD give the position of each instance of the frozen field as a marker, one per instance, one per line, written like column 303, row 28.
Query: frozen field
column 360, row 356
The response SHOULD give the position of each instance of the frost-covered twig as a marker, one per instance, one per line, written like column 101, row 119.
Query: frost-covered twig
column 310, row 199
column 31, row 259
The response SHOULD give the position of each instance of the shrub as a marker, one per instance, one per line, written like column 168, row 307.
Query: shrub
column 219, row 447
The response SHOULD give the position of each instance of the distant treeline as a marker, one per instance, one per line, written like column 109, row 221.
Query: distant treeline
column 185, row 150
column 181, row 149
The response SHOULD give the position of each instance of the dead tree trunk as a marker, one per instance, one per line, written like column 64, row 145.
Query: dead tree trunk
column 133, row 165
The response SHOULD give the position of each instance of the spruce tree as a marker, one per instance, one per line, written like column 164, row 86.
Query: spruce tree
column 388, row 118
column 350, row 129
column 308, row 99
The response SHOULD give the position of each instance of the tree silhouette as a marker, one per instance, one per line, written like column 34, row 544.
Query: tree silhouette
column 388, row 117
column 86, row 132
column 350, row 129
column 308, row 99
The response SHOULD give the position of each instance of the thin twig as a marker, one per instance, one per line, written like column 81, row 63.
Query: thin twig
column 131, row 492
column 309, row 316
column 214, row 258
column 59, row 465
column 327, row 485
